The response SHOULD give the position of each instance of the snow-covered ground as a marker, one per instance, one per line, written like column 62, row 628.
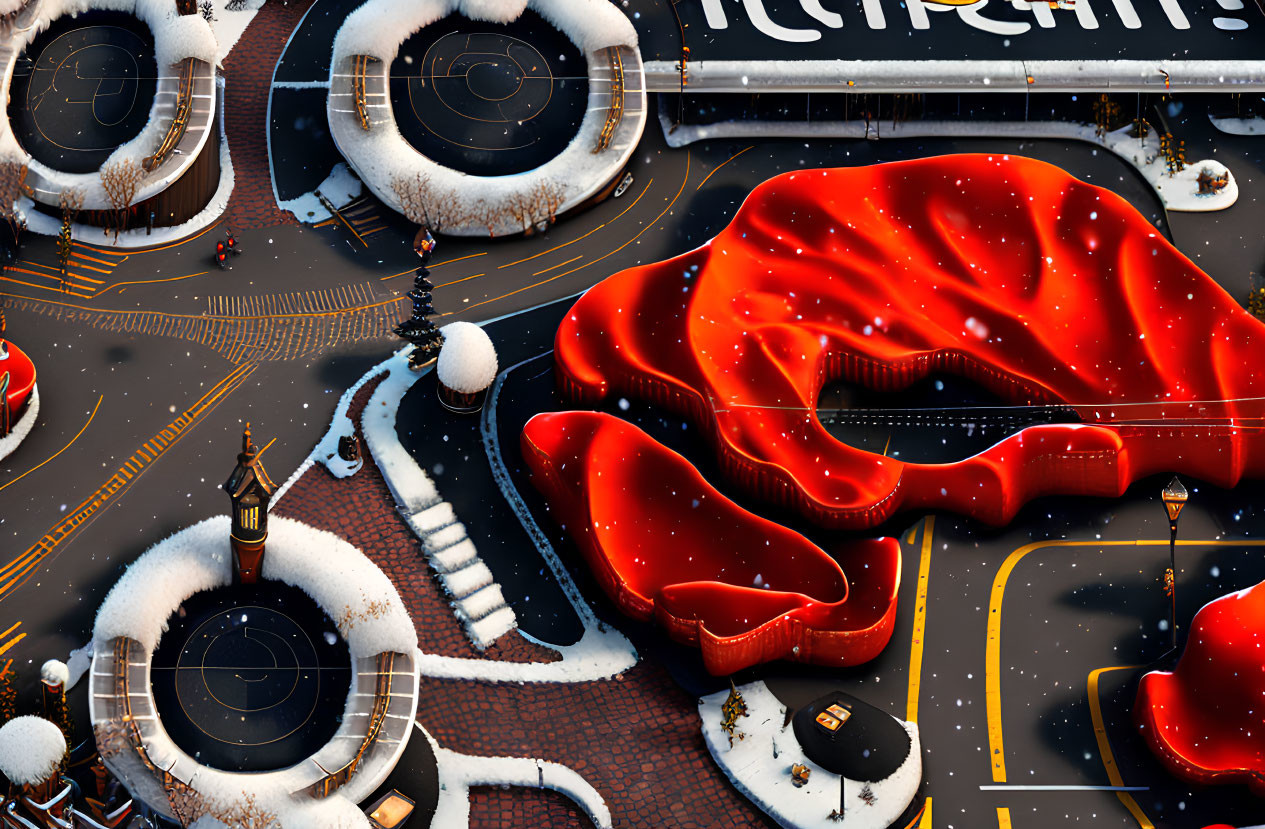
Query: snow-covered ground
column 759, row 766
column 1178, row 192
column 341, row 187
column 1239, row 126
column 459, row 772
column 26, row 422
column 227, row 26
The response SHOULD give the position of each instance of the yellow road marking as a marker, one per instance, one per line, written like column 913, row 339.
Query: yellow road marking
column 12, row 628
column 59, row 451
column 152, row 281
column 1104, row 746
column 925, row 821
column 643, row 192
column 16, row 571
column 1003, row 817
column 7, row 645
column 718, row 166
column 920, row 622
column 559, row 265
column 649, row 225
column 462, row 279
column 992, row 654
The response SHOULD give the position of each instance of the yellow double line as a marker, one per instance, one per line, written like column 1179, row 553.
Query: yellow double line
column 13, row 574
column 4, row 648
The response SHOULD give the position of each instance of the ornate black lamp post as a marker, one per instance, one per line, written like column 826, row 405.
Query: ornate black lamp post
column 1174, row 497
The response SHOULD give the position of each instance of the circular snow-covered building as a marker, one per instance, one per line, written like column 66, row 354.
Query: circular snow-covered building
column 304, row 684
column 473, row 117
column 466, row 368
column 126, row 138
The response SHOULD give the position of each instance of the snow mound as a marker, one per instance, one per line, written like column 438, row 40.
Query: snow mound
column 140, row 603
column 493, row 11
column 467, row 361
column 358, row 596
column 348, row 586
column 55, row 672
column 31, row 748
column 588, row 23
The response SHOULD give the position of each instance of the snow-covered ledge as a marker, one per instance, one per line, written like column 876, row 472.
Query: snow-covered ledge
column 176, row 37
column 26, row 422
column 759, row 766
column 353, row 592
column 381, row 154
column 459, row 772
column 1177, row 192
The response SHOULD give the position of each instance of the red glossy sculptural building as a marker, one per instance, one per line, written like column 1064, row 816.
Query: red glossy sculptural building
column 663, row 543
column 1007, row 271
column 1205, row 720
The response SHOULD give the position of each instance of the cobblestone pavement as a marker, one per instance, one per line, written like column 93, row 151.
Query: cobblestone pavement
column 248, row 76
column 492, row 807
column 636, row 739
column 361, row 510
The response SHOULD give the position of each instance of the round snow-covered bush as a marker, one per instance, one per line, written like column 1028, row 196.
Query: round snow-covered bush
column 31, row 749
column 467, row 361
column 54, row 672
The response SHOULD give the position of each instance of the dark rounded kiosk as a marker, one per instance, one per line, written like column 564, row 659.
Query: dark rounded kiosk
column 851, row 738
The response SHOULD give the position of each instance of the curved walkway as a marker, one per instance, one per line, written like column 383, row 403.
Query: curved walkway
column 249, row 70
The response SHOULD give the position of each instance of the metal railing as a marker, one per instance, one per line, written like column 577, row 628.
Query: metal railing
column 381, row 702
column 180, row 122
column 615, row 113
column 360, row 69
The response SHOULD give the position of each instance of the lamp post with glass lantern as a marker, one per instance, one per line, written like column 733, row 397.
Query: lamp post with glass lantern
column 1174, row 496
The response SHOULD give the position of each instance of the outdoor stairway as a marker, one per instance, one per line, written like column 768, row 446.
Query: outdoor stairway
column 476, row 598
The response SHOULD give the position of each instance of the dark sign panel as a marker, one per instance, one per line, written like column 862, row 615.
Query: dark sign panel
column 987, row 30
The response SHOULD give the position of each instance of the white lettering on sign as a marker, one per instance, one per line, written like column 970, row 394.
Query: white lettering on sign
column 971, row 14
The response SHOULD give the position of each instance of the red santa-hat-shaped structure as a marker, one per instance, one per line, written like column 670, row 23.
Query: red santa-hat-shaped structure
column 18, row 397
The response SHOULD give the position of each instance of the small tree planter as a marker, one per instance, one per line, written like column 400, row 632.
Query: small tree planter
column 461, row 402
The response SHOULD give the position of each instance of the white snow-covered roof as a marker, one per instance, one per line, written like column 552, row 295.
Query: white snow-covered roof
column 31, row 748
column 467, row 361
column 54, row 672
column 348, row 586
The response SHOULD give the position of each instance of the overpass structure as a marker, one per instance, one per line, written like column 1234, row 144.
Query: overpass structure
column 909, row 46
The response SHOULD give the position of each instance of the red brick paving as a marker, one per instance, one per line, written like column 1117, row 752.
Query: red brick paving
column 637, row 739
column 491, row 808
column 248, row 76
column 365, row 515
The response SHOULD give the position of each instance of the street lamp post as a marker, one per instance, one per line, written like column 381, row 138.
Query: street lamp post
column 1174, row 496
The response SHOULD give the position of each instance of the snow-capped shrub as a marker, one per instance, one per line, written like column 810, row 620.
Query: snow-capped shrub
column 54, row 672
column 31, row 749
column 467, row 361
